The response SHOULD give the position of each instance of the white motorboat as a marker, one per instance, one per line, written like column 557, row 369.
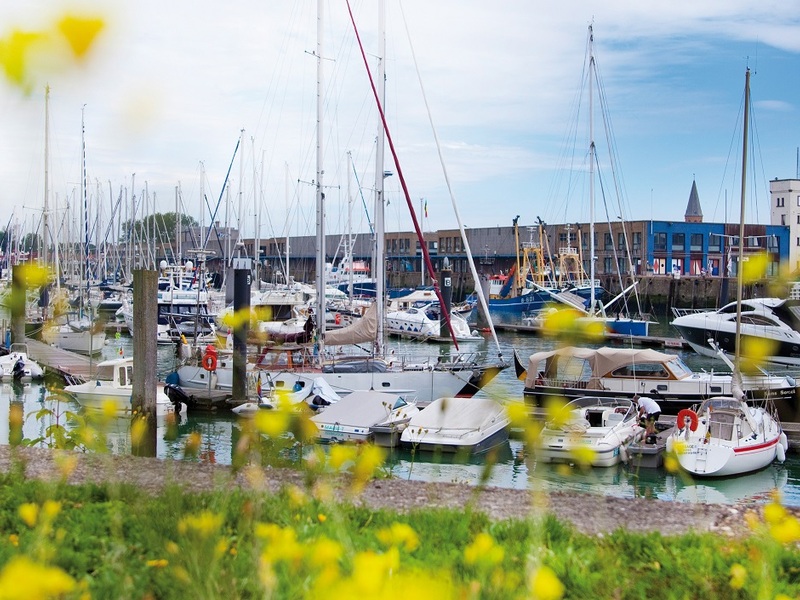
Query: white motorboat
column 726, row 436
column 18, row 366
column 317, row 396
column 573, row 372
column 457, row 424
column 773, row 321
column 113, row 382
column 80, row 336
column 353, row 418
column 604, row 426
column 422, row 322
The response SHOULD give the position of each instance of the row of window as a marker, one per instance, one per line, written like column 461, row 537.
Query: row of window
column 715, row 242
column 781, row 202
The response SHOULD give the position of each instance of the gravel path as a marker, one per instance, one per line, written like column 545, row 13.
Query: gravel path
column 589, row 513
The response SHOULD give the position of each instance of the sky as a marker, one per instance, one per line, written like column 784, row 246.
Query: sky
column 486, row 104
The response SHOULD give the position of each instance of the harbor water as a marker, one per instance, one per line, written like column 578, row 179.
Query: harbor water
column 512, row 469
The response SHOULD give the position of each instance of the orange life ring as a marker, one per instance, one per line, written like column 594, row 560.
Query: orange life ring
column 337, row 319
column 683, row 414
column 210, row 361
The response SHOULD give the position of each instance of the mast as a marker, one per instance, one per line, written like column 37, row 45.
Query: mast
column 320, row 195
column 591, row 173
column 379, row 268
column 737, row 356
column 46, row 207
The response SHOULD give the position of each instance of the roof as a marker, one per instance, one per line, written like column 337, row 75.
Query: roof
column 693, row 207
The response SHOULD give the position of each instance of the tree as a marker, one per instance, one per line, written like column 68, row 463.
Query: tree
column 161, row 223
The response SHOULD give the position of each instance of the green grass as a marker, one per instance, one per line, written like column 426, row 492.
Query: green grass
column 104, row 537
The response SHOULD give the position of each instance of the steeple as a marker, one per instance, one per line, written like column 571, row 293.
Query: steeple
column 694, row 214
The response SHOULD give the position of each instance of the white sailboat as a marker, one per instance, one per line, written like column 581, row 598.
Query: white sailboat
column 727, row 435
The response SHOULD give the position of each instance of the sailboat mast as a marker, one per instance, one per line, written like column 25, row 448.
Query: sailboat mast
column 320, row 194
column 379, row 268
column 591, row 172
column 739, row 278
column 46, row 207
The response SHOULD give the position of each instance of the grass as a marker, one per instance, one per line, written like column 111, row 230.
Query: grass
column 115, row 541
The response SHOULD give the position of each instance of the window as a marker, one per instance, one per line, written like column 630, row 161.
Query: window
column 608, row 265
column 622, row 266
column 753, row 242
column 779, row 202
column 696, row 242
column 608, row 241
column 660, row 241
column 621, row 240
column 714, row 243
column 798, row 201
column 772, row 243
column 636, row 243
column 678, row 242
column 783, row 219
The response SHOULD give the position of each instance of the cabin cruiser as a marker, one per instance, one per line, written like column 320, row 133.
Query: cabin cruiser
column 773, row 321
column 609, row 372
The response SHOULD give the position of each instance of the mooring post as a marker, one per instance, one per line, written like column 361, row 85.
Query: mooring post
column 446, row 279
column 145, row 347
column 241, row 310
column 17, row 307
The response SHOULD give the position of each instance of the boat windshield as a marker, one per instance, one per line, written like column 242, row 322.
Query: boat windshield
column 679, row 368
column 721, row 403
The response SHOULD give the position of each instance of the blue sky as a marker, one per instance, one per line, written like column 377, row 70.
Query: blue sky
column 171, row 85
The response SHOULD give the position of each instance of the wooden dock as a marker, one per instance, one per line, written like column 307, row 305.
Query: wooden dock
column 66, row 364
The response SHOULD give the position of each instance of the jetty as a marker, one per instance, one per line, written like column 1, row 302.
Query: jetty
column 649, row 341
column 70, row 366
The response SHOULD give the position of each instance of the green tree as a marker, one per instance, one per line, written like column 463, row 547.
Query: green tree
column 162, row 223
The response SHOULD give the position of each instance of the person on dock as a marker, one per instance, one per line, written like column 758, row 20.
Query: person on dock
column 649, row 412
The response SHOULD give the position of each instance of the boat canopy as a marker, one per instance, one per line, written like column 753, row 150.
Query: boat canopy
column 601, row 361
column 361, row 331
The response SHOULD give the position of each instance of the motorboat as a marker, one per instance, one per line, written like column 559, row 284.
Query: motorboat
column 450, row 424
column 775, row 322
column 113, row 382
column 422, row 322
column 18, row 366
column 353, row 418
column 604, row 426
column 572, row 372
column 316, row 396
column 80, row 335
column 727, row 436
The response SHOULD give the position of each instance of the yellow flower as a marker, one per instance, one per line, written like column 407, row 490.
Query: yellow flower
column 23, row 579
column 172, row 547
column 15, row 53
column 340, row 455
column 787, row 531
column 204, row 524
column 483, row 550
column 321, row 518
column 774, row 513
column 272, row 422
column 583, row 455
column 738, row 576
column 14, row 539
column 370, row 458
column 29, row 513
column 192, row 445
column 671, row 463
column 555, row 411
column 66, row 463
column 755, row 267
column 518, row 414
column 50, row 509
column 546, row 585
column 324, row 551
column 80, row 32
column 280, row 542
column 158, row 563
column 399, row 534
column 369, row 572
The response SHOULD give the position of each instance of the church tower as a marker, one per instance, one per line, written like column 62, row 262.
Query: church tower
column 694, row 214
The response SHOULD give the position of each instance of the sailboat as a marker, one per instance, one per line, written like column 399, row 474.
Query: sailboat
column 295, row 367
column 79, row 333
column 726, row 435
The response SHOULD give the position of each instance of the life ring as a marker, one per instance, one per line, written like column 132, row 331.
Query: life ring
column 682, row 416
column 337, row 319
column 210, row 361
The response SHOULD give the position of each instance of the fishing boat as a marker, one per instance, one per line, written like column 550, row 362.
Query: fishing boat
column 572, row 372
column 603, row 427
column 727, row 435
column 469, row 425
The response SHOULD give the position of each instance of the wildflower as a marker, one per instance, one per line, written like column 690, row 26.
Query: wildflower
column 671, row 463
column 774, row 513
column 787, row 531
column 280, row 542
column 583, row 455
column 193, row 442
column 21, row 578
column 340, row 455
column 50, row 509
column 14, row 540
column 324, row 551
column 204, row 524
column 321, row 518
column 483, row 550
column 158, row 563
column 272, row 422
column 555, row 410
column 369, row 572
column 399, row 534
column 370, row 458
column 546, row 585
column 738, row 576
column 518, row 414
column 29, row 513
column 66, row 463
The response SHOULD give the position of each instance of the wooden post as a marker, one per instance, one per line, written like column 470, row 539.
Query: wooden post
column 241, row 306
column 145, row 316
column 17, row 307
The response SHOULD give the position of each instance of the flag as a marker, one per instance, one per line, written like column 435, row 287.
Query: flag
column 426, row 209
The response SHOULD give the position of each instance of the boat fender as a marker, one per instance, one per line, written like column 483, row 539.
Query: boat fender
column 670, row 444
column 210, row 361
column 780, row 453
column 784, row 441
column 686, row 413
column 623, row 453
column 338, row 319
